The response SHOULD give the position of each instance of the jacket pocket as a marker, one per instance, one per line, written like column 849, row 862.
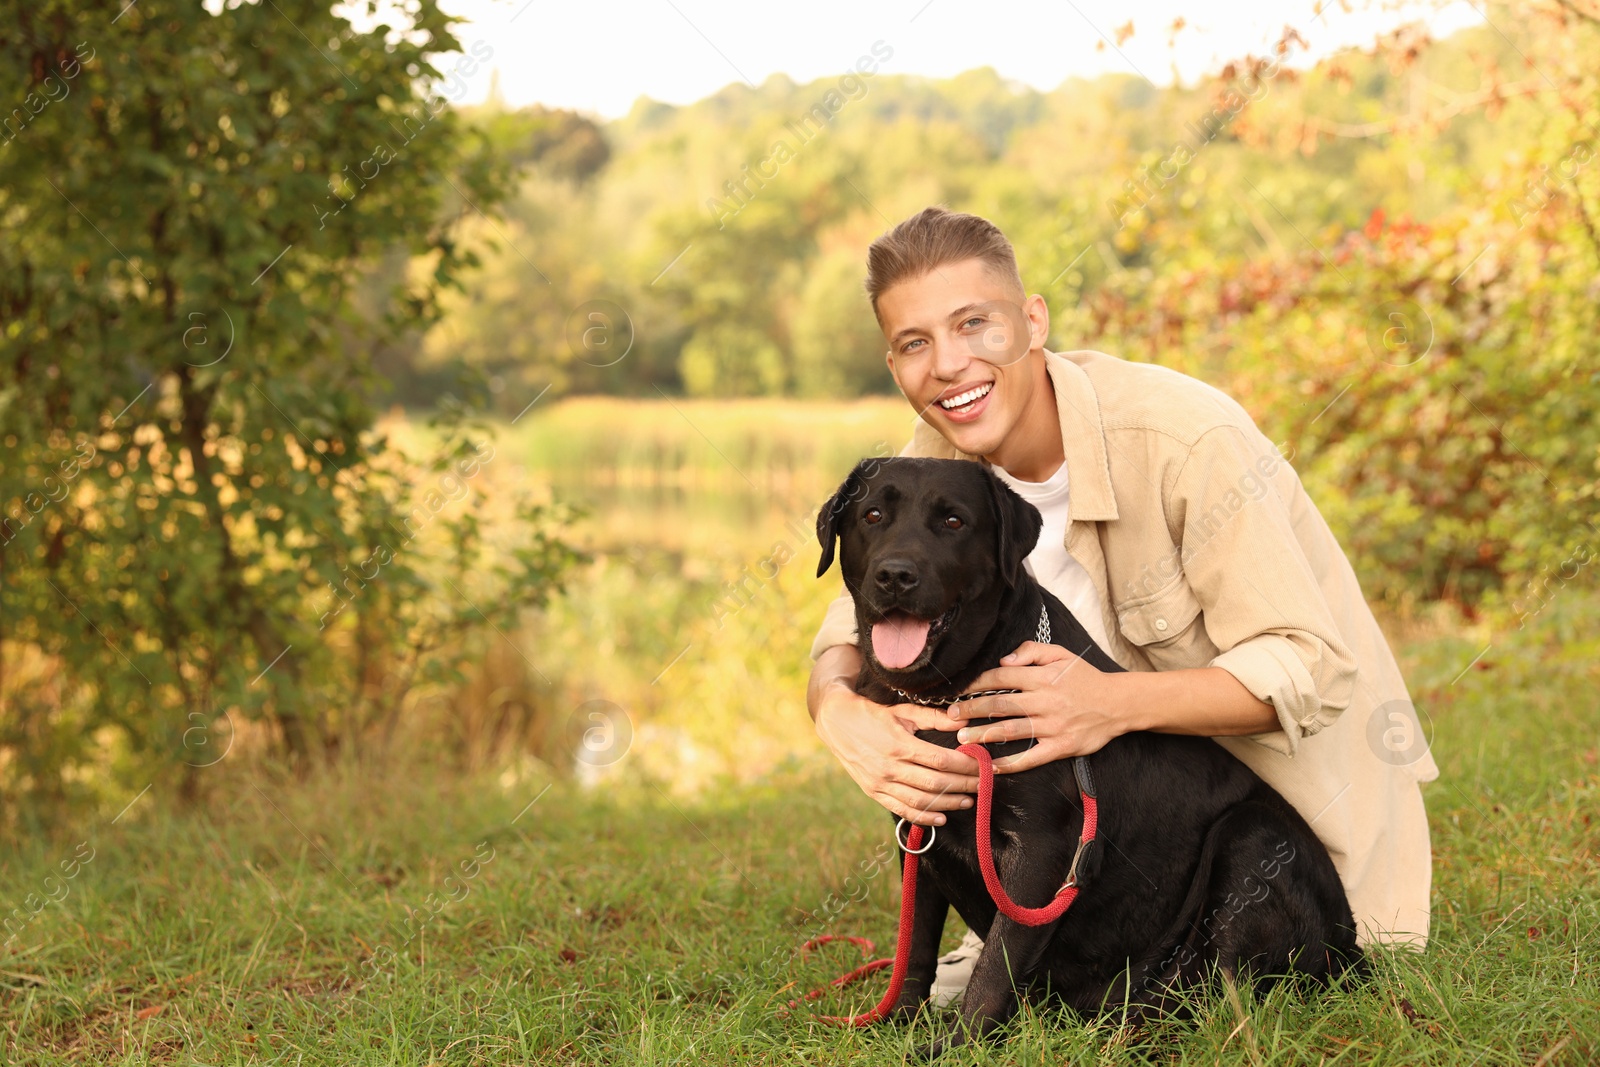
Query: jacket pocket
column 1166, row 622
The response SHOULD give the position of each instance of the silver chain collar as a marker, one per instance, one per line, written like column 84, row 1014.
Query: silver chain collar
column 1041, row 634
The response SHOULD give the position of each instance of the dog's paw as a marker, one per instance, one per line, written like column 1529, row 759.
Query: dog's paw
column 912, row 998
column 953, row 1038
column 958, row 1032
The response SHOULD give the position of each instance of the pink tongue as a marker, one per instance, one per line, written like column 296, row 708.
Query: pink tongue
column 898, row 639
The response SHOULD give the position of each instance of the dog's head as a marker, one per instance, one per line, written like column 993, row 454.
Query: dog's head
column 924, row 543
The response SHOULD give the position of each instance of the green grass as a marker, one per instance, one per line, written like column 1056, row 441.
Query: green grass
column 625, row 926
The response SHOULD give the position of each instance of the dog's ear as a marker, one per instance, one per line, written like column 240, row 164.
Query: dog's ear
column 833, row 512
column 1018, row 524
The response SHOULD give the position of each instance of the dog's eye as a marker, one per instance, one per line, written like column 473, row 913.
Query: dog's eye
column 873, row 516
column 953, row 522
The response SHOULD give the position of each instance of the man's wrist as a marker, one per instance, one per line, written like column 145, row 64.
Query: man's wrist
column 1126, row 705
column 836, row 666
column 828, row 692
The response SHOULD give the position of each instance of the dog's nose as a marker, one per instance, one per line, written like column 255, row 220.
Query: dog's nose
column 896, row 576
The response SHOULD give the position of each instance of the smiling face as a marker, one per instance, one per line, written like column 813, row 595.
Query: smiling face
column 967, row 350
column 929, row 549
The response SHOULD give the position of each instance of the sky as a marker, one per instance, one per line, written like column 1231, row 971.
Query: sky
column 599, row 56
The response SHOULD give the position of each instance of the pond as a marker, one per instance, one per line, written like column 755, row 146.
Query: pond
column 680, row 652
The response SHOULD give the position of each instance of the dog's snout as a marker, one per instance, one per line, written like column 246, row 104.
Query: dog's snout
column 896, row 576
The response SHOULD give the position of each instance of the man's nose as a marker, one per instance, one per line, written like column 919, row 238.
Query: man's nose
column 896, row 576
column 950, row 359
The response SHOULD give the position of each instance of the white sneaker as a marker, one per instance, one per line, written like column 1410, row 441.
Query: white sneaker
column 955, row 971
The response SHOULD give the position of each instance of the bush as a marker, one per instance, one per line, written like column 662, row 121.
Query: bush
column 190, row 461
column 1437, row 386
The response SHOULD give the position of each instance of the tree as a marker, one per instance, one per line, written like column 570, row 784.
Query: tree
column 192, row 201
column 838, row 347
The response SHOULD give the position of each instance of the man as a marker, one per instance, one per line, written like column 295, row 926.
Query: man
column 1183, row 541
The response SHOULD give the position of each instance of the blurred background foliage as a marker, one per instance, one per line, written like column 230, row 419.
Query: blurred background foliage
column 1390, row 259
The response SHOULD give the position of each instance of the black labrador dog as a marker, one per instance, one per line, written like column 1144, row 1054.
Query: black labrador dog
column 1200, row 867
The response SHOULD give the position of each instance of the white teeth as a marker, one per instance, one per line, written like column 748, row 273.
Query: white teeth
column 968, row 397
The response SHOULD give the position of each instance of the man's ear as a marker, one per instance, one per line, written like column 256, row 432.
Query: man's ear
column 1017, row 523
column 833, row 512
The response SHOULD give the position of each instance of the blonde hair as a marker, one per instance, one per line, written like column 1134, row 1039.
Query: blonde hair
column 931, row 238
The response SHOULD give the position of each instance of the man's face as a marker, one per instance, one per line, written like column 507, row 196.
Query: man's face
column 962, row 348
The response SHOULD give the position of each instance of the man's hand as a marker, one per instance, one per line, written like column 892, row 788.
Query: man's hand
column 878, row 747
column 1074, row 709
column 1066, row 704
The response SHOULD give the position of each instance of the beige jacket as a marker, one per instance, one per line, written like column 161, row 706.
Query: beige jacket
column 1207, row 551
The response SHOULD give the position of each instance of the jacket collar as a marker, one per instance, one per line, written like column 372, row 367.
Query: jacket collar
column 1083, row 439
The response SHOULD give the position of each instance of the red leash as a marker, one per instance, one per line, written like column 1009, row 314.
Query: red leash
column 902, row 950
column 991, row 880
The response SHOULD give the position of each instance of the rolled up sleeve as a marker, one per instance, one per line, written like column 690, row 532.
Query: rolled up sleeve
column 1264, row 608
column 838, row 625
column 1273, row 666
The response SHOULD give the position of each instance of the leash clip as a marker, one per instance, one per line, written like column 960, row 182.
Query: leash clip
column 1072, row 871
column 933, row 832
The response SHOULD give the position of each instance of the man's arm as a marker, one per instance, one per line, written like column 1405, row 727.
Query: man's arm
column 1201, row 701
column 1283, row 672
column 1262, row 603
column 839, row 665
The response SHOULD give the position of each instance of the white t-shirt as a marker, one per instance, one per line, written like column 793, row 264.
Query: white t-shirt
column 1049, row 562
